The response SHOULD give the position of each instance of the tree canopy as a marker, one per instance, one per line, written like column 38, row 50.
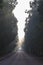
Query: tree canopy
column 34, row 29
column 8, row 27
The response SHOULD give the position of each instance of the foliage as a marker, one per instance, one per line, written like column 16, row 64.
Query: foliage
column 8, row 28
column 34, row 29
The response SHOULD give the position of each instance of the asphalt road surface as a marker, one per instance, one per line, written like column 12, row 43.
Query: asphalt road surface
column 19, row 58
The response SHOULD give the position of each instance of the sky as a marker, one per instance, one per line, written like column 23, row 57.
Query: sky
column 20, row 14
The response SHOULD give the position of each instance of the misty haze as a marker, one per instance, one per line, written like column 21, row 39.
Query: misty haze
column 21, row 32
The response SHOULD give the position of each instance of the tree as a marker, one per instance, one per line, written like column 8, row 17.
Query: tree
column 8, row 28
column 34, row 29
column 1, row 1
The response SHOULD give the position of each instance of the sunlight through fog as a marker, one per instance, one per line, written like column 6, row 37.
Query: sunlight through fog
column 20, row 14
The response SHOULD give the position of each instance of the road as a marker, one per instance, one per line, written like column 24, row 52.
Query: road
column 19, row 58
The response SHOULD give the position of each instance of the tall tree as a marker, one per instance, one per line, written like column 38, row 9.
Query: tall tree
column 34, row 29
column 8, row 28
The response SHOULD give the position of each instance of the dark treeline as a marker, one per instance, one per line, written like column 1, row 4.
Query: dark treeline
column 34, row 29
column 8, row 26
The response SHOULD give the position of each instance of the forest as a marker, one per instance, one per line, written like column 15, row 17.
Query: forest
column 33, row 43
